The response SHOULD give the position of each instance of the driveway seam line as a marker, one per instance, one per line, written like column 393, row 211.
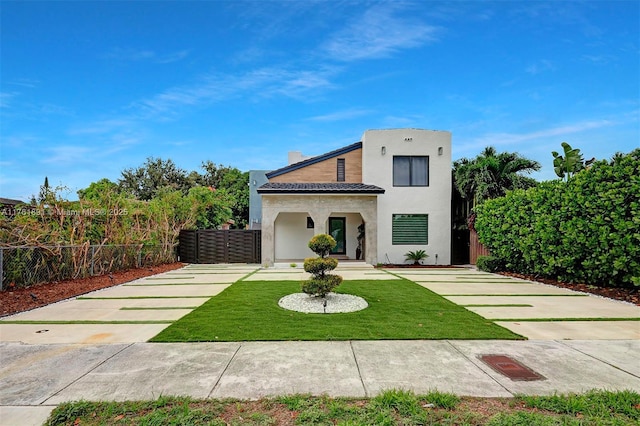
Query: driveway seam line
column 87, row 373
column 598, row 359
column 355, row 358
column 478, row 367
column 224, row 371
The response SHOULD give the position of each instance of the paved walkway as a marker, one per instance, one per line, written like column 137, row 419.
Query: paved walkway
column 100, row 350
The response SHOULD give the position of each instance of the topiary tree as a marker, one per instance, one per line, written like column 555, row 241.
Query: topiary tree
column 322, row 281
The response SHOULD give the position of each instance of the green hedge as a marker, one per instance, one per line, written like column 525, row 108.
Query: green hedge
column 489, row 264
column 584, row 230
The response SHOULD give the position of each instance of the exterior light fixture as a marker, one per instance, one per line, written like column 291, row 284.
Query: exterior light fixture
column 383, row 150
column 439, row 150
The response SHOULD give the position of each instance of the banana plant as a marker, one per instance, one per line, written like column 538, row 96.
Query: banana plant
column 569, row 164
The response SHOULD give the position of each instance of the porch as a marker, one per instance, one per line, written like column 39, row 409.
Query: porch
column 290, row 221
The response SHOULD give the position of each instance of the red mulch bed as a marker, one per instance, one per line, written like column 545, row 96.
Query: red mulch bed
column 24, row 299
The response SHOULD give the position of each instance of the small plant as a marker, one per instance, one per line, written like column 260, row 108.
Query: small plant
column 322, row 282
column 489, row 264
column 293, row 265
column 416, row 256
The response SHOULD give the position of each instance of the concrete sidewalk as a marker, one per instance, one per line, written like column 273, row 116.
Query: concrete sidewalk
column 100, row 353
column 35, row 378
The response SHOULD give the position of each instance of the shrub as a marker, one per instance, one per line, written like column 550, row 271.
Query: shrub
column 320, row 265
column 321, row 283
column 583, row 230
column 416, row 256
column 320, row 286
column 322, row 244
column 489, row 264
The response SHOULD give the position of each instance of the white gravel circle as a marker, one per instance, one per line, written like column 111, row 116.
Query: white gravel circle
column 336, row 302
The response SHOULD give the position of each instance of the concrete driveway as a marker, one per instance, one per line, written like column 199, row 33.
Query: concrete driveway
column 94, row 347
column 531, row 309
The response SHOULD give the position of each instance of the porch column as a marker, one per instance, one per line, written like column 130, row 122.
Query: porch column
column 371, row 235
column 320, row 217
column 269, row 215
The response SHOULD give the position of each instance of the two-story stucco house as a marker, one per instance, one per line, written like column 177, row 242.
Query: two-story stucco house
column 396, row 182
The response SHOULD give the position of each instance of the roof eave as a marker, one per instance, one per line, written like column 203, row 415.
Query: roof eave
column 314, row 160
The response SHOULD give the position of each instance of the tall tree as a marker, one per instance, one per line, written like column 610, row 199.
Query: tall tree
column 569, row 164
column 46, row 192
column 235, row 183
column 492, row 174
column 155, row 174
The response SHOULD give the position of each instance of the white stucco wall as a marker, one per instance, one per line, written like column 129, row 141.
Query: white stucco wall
column 284, row 231
column 292, row 236
column 434, row 200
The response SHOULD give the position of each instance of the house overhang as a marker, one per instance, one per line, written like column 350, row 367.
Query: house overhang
column 314, row 160
column 319, row 188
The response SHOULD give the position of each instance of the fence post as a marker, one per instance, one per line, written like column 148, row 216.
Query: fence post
column 139, row 258
column 1, row 267
column 93, row 248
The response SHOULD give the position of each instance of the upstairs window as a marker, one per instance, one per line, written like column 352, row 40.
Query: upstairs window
column 410, row 170
column 341, row 172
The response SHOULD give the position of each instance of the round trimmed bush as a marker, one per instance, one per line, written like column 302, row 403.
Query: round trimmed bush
column 322, row 244
column 320, row 265
column 321, row 286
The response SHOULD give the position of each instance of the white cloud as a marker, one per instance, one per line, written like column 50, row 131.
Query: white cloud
column 262, row 82
column 378, row 34
column 341, row 115
column 5, row 99
column 540, row 67
column 497, row 139
column 67, row 154
column 139, row 55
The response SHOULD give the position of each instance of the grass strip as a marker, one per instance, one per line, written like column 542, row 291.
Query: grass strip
column 391, row 407
column 141, row 297
column 398, row 309
column 563, row 319
column 468, row 282
column 518, row 295
column 153, row 308
column 173, row 277
column 504, row 305
column 172, row 284
column 83, row 322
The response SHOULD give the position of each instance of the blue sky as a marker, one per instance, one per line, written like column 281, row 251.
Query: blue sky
column 90, row 88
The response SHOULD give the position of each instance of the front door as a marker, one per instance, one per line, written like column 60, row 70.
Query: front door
column 338, row 230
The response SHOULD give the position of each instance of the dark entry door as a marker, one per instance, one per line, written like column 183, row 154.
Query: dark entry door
column 338, row 230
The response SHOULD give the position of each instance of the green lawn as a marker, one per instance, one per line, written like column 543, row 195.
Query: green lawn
column 392, row 407
column 398, row 309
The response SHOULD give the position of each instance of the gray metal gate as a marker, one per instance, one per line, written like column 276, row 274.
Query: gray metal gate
column 220, row 246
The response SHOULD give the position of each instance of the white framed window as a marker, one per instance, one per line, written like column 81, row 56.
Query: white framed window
column 410, row 170
column 409, row 229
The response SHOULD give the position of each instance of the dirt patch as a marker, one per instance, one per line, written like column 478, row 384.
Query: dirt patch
column 24, row 299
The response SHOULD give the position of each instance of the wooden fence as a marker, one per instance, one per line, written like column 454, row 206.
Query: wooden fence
column 476, row 248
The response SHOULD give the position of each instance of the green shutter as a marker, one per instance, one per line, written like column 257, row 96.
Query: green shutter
column 410, row 229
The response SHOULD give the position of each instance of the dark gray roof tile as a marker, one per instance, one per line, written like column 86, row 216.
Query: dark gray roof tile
column 319, row 188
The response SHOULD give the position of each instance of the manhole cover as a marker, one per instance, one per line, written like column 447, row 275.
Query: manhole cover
column 511, row 368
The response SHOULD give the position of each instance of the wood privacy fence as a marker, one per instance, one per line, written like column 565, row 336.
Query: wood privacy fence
column 476, row 248
column 220, row 246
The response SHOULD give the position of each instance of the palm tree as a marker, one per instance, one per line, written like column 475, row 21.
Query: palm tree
column 492, row 174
